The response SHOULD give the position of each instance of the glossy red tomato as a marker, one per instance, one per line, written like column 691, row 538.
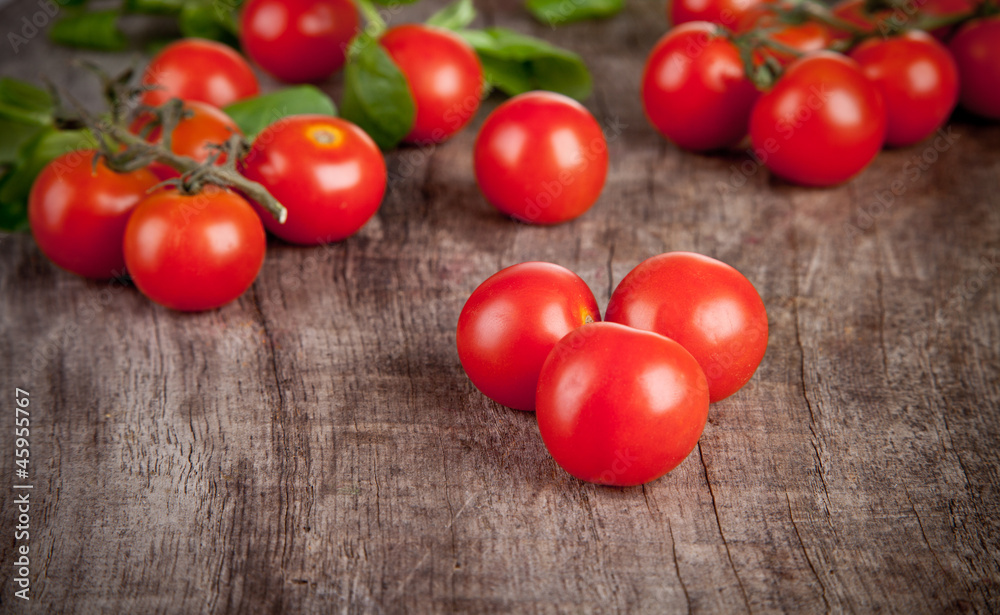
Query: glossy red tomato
column 326, row 171
column 298, row 41
column 803, row 37
column 445, row 78
column 620, row 406
column 194, row 253
column 193, row 136
column 78, row 214
column 513, row 320
column 976, row 47
column 541, row 158
column 918, row 80
column 199, row 70
column 723, row 12
column 821, row 124
column 699, row 100
column 703, row 304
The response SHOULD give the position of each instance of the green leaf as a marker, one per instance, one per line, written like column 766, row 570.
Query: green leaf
column 25, row 111
column 94, row 30
column 515, row 63
column 376, row 95
column 153, row 7
column 16, row 185
column 556, row 12
column 455, row 16
column 210, row 20
column 255, row 114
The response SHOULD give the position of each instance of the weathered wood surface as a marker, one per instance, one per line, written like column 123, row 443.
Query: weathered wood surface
column 315, row 446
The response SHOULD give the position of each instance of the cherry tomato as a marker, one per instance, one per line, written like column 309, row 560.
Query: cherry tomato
column 855, row 12
column 326, row 171
column 199, row 70
column 620, row 406
column 703, row 304
column 695, row 90
column 976, row 47
column 445, row 78
column 821, row 124
column 298, row 41
column 194, row 136
column 78, row 214
column 541, row 158
column 194, row 253
column 723, row 12
column 512, row 321
column 803, row 37
column 918, row 80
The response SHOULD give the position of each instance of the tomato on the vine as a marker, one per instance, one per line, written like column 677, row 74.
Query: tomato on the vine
column 326, row 171
column 620, row 406
column 976, row 47
column 298, row 41
column 700, row 101
column 512, row 321
column 198, row 70
column 194, row 136
column 78, row 213
column 822, row 123
column 706, row 306
column 804, row 37
column 444, row 75
column 542, row 158
column 918, row 80
column 723, row 12
column 194, row 252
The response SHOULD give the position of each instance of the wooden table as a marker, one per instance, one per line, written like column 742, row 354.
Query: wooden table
column 316, row 446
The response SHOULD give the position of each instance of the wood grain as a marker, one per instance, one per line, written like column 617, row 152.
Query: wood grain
column 316, row 447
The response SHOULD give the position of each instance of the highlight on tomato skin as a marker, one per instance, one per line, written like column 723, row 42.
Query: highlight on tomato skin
column 512, row 321
column 706, row 306
column 620, row 406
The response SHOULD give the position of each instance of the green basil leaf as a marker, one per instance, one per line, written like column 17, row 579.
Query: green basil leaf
column 16, row 185
column 255, row 114
column 515, row 63
column 454, row 16
column 376, row 95
column 27, row 98
column 25, row 111
column 555, row 12
column 95, row 30
column 153, row 7
column 209, row 20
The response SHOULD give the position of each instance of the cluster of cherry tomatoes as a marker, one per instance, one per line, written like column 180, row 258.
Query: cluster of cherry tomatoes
column 619, row 402
column 540, row 157
column 838, row 85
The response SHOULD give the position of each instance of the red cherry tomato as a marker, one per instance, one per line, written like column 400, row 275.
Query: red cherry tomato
column 620, row 406
column 723, row 12
column 695, row 90
column 298, row 41
column 194, row 136
column 855, row 13
column 821, row 124
column 444, row 75
column 703, row 304
column 918, row 80
column 803, row 37
column 976, row 48
column 78, row 214
column 194, row 253
column 541, row 158
column 199, row 70
column 511, row 323
column 326, row 171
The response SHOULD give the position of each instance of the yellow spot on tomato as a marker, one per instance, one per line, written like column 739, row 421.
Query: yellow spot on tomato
column 325, row 135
